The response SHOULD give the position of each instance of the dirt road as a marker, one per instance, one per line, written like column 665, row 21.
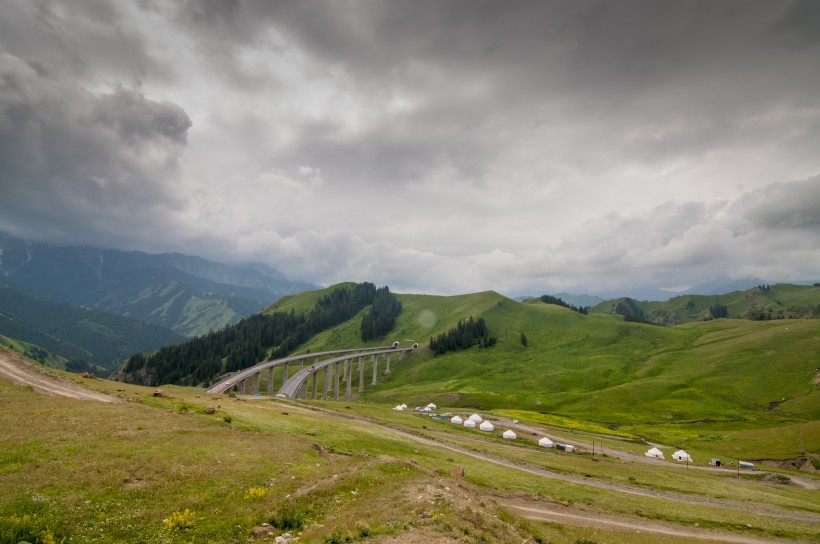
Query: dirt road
column 21, row 372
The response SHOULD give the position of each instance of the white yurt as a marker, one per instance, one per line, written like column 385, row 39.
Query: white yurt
column 681, row 455
column 546, row 442
column 404, row 407
column 476, row 418
column 655, row 452
column 432, row 406
column 509, row 434
column 456, row 420
column 486, row 426
column 469, row 423
column 398, row 407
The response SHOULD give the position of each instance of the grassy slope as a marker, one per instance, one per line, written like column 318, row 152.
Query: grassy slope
column 784, row 300
column 114, row 472
column 691, row 384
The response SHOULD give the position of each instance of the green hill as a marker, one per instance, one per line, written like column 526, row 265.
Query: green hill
column 73, row 332
column 780, row 301
column 599, row 367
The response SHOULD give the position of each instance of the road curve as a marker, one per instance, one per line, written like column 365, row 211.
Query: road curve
column 226, row 383
column 291, row 387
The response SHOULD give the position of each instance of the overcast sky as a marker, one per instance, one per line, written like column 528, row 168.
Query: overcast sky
column 433, row 146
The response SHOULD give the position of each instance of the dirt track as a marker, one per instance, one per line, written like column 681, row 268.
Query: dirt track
column 21, row 372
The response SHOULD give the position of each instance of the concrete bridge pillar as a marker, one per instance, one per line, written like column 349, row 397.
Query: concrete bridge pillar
column 349, row 373
column 315, row 384
column 284, row 373
column 270, row 382
column 387, row 370
column 256, row 383
column 244, row 384
column 361, row 374
column 336, row 383
column 326, row 382
column 375, row 360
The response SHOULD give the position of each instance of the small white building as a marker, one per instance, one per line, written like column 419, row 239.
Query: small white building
column 655, row 452
column 509, row 434
column 477, row 418
column 681, row 455
column 432, row 406
column 456, row 420
column 486, row 426
column 469, row 423
column 546, row 442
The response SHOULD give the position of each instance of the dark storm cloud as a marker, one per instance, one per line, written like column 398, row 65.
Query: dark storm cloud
column 84, row 158
column 435, row 145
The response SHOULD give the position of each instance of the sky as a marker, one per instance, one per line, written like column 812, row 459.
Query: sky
column 435, row 146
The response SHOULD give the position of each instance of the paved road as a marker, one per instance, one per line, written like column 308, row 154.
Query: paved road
column 226, row 383
column 291, row 387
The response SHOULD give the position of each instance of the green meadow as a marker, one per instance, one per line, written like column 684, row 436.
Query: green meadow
column 728, row 386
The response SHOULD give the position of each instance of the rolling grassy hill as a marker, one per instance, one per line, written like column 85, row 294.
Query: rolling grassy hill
column 780, row 301
column 631, row 377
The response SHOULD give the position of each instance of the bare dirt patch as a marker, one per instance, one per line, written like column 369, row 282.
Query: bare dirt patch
column 20, row 372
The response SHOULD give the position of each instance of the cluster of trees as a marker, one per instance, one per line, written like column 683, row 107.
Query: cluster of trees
column 631, row 311
column 549, row 299
column 719, row 310
column 247, row 342
column 382, row 314
column 466, row 334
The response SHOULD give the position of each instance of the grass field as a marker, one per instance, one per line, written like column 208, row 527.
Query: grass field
column 696, row 384
column 160, row 469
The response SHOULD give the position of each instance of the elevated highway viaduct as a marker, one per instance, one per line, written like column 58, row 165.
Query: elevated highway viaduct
column 248, row 380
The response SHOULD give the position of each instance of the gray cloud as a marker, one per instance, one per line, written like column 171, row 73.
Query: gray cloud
column 439, row 146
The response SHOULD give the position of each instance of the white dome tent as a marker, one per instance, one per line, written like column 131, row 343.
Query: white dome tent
column 509, row 434
column 546, row 442
column 487, row 426
column 476, row 418
column 399, row 408
column 681, row 455
column 655, row 452
column 456, row 420
column 469, row 423
column 432, row 406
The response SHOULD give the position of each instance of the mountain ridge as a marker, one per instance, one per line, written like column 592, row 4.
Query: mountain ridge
column 187, row 294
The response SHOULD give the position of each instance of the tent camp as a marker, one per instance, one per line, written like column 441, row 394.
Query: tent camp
column 476, row 418
column 681, row 455
column 655, row 452
column 455, row 420
column 546, row 442
column 469, row 423
column 486, row 426
column 509, row 434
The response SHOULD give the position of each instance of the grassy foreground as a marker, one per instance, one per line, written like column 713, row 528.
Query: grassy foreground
column 161, row 469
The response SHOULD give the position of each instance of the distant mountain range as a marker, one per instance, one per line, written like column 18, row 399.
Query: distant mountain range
column 188, row 295
column 58, row 332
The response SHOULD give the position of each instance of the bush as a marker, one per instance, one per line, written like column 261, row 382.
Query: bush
column 289, row 519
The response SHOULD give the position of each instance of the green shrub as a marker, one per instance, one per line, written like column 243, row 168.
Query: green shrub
column 289, row 519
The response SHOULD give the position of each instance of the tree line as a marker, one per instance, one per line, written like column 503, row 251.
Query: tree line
column 252, row 339
column 382, row 315
column 466, row 334
column 549, row 299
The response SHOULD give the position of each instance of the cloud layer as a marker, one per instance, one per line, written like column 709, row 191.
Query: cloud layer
column 436, row 146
